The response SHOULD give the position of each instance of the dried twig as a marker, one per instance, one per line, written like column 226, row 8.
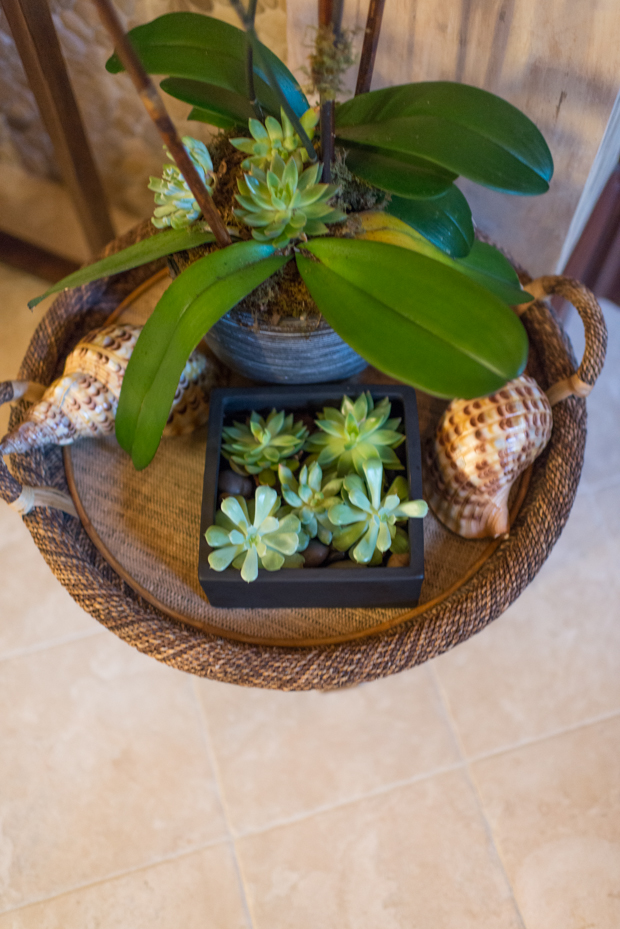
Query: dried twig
column 157, row 111
column 369, row 48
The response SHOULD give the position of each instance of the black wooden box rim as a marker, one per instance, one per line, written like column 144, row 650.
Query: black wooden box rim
column 310, row 587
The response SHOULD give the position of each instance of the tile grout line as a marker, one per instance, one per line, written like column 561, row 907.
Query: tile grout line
column 341, row 804
column 474, row 788
column 222, row 798
column 115, row 875
column 535, row 740
column 50, row 643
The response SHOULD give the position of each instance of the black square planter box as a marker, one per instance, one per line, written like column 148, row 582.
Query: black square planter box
column 310, row 587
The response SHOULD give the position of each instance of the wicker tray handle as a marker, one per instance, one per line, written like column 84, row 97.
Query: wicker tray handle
column 583, row 380
column 22, row 498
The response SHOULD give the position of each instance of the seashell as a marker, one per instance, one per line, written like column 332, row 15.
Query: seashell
column 83, row 402
column 479, row 450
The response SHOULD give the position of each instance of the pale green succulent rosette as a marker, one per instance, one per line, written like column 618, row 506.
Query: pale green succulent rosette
column 356, row 433
column 250, row 536
column 260, row 445
column 366, row 523
column 279, row 204
column 175, row 204
column 276, row 138
column 310, row 499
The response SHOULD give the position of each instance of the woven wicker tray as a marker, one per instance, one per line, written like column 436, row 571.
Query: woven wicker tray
column 131, row 558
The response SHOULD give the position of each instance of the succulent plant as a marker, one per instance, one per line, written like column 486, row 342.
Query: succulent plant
column 370, row 520
column 249, row 536
column 276, row 138
column 310, row 499
column 260, row 445
column 355, row 433
column 175, row 204
column 280, row 204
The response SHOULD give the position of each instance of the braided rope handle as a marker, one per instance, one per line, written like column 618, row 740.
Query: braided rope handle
column 21, row 498
column 583, row 380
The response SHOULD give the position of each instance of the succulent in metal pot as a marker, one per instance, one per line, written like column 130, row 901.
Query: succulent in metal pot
column 366, row 522
column 258, row 446
column 355, row 433
column 249, row 536
column 274, row 138
column 175, row 204
column 280, row 204
column 310, row 499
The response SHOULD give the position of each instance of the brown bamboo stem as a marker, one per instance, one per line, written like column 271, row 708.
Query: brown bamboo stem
column 157, row 111
column 330, row 17
column 369, row 48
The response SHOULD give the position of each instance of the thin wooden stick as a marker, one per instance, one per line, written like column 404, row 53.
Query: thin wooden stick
column 369, row 48
column 157, row 111
column 330, row 18
column 271, row 78
column 249, row 64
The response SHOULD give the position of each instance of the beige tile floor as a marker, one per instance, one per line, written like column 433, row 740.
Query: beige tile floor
column 480, row 790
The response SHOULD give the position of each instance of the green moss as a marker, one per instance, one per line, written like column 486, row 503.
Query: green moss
column 284, row 294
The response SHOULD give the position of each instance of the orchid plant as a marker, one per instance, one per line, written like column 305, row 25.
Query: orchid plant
column 417, row 297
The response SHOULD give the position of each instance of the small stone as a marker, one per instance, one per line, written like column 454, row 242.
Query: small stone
column 398, row 561
column 336, row 556
column 346, row 564
column 315, row 554
column 235, row 484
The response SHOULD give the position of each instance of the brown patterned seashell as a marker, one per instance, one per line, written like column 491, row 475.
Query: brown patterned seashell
column 83, row 402
column 479, row 450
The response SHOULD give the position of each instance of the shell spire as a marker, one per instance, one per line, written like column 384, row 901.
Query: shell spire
column 83, row 401
column 479, row 450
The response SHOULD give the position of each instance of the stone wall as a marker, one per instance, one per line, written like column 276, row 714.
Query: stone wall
column 126, row 146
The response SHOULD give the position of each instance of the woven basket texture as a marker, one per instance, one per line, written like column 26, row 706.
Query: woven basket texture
column 95, row 585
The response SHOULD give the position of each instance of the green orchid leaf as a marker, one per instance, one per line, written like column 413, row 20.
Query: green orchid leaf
column 195, row 300
column 414, row 318
column 228, row 108
column 211, row 118
column 486, row 265
column 200, row 48
column 464, row 129
column 398, row 173
column 157, row 246
column 445, row 221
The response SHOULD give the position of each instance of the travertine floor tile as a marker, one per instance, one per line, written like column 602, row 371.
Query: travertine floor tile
column 551, row 661
column 281, row 754
column 197, row 891
column 34, row 607
column 103, row 768
column 417, row 857
column 17, row 324
column 555, row 812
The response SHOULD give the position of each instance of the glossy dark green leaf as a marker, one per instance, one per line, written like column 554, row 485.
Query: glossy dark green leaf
column 157, row 246
column 211, row 118
column 220, row 107
column 195, row 300
column 405, row 175
column 445, row 221
column 414, row 318
column 464, row 129
column 197, row 47
column 486, row 265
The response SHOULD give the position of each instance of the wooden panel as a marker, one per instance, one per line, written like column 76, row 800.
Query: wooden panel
column 39, row 50
column 558, row 61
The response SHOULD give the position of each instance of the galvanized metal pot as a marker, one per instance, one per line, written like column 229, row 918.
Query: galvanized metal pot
column 292, row 352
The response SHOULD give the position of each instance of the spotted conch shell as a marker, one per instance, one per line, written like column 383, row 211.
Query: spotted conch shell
column 83, row 402
column 479, row 450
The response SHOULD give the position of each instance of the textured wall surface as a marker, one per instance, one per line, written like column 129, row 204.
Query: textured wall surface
column 125, row 144
column 558, row 61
